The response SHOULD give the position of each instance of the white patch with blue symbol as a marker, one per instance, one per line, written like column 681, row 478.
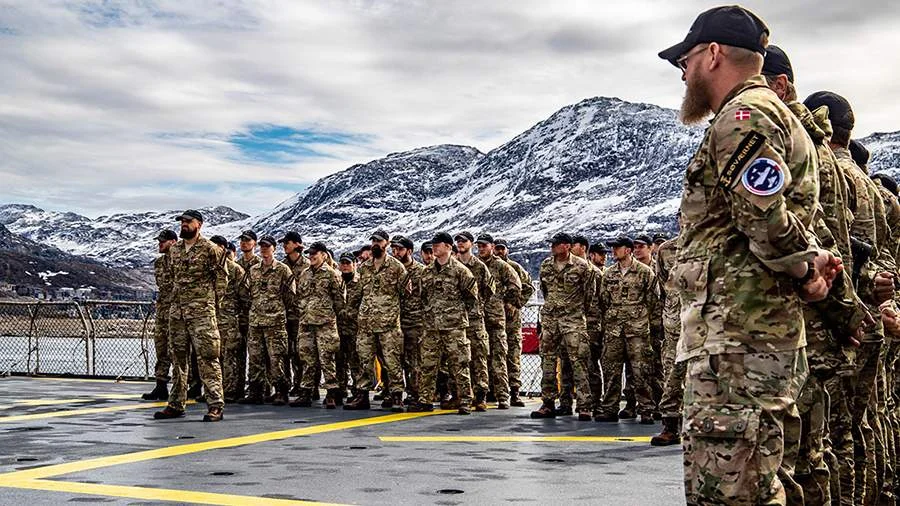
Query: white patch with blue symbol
column 764, row 177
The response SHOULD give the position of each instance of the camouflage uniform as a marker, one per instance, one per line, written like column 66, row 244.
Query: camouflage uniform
column 595, row 338
column 295, row 365
column 476, row 332
column 271, row 292
column 379, row 321
column 163, row 275
column 673, row 391
column 743, row 332
column 349, row 365
column 239, row 349
column 508, row 293
column 447, row 293
column 411, row 324
column 627, row 301
column 196, row 272
column 568, row 296
column 233, row 294
column 322, row 299
column 514, row 328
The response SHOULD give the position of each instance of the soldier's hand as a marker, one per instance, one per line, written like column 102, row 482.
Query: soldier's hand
column 815, row 289
column 890, row 318
column 883, row 289
column 828, row 266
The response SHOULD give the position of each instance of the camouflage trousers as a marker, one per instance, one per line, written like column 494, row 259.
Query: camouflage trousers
column 201, row 332
column 233, row 371
column 387, row 344
column 293, row 367
column 734, row 409
column 595, row 373
column 412, row 356
column 623, row 346
column 571, row 335
column 567, row 379
column 480, row 348
column 864, row 441
column 514, row 347
column 348, row 361
column 499, row 379
column 671, row 403
column 161, row 344
column 655, row 381
column 453, row 345
column 324, row 343
column 268, row 344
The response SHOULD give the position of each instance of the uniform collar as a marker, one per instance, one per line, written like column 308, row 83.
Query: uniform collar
column 757, row 81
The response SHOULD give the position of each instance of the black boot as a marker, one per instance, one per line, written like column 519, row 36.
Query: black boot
column 361, row 401
column 160, row 393
column 545, row 411
column 398, row 402
column 514, row 399
column 304, row 400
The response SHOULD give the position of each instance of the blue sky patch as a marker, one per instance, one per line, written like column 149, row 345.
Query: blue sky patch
column 278, row 144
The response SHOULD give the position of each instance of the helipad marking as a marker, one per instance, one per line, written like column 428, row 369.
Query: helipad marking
column 157, row 494
column 515, row 439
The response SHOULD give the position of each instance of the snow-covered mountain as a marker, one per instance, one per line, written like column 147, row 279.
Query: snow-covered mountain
column 120, row 240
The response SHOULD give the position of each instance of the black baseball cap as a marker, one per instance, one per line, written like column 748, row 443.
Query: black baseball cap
column 231, row 247
column 267, row 240
column 598, row 248
column 887, row 181
column 561, row 238
column 643, row 239
column 442, row 238
column 218, row 240
column 659, row 238
column 190, row 214
column 839, row 111
column 403, row 242
column 292, row 237
column 485, row 239
column 622, row 240
column 859, row 153
column 167, row 235
column 502, row 243
column 317, row 247
column 582, row 240
column 777, row 63
column 427, row 246
column 348, row 257
column 248, row 235
column 731, row 25
column 380, row 235
column 466, row 236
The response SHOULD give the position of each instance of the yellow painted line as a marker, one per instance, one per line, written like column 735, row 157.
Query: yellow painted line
column 83, row 411
column 515, row 439
column 154, row 494
column 10, row 479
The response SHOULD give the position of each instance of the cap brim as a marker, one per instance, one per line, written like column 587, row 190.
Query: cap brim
column 246, row 238
column 672, row 54
column 483, row 242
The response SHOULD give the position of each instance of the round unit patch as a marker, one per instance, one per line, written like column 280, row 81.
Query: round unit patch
column 764, row 177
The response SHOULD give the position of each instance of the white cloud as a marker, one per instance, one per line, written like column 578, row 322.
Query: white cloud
column 130, row 100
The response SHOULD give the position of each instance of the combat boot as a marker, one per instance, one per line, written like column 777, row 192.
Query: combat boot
column 421, row 407
column 502, row 405
column 168, row 413
column 627, row 414
column 450, row 403
column 514, row 399
column 281, row 397
column 564, row 410
column 160, row 393
column 670, row 434
column 213, row 415
column 254, row 396
column 398, row 402
column 479, row 404
column 361, row 401
column 545, row 411
column 387, row 401
column 490, row 396
column 304, row 400
column 584, row 415
column 331, row 398
column 647, row 419
column 464, row 410
column 315, row 394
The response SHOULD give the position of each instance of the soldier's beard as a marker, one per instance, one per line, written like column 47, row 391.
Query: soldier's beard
column 695, row 107
column 187, row 233
column 377, row 251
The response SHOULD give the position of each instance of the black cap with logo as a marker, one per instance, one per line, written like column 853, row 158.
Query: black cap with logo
column 380, row 235
column 442, row 238
column 190, row 214
column 731, row 25
column 465, row 235
column 317, row 247
column 561, row 238
column 622, row 240
column 839, row 111
column 218, row 240
column 248, row 235
column 643, row 239
column 292, row 237
column 777, row 63
column 167, row 235
column 485, row 239
column 267, row 240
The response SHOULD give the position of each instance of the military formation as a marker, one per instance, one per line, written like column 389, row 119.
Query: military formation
column 764, row 336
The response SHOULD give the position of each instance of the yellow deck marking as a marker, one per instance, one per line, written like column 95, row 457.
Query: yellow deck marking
column 83, row 411
column 515, row 439
column 156, row 494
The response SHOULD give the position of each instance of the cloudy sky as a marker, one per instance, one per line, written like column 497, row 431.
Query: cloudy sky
column 126, row 106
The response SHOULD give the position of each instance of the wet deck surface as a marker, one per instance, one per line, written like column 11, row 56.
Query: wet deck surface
column 71, row 441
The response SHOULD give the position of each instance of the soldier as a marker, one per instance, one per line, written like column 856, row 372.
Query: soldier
column 597, row 258
column 658, row 240
column 475, row 332
column 197, row 266
column 508, row 293
column 643, row 250
column 514, row 324
column 166, row 239
column 426, row 253
column 321, row 294
column 348, row 362
column 383, row 281
column 411, row 314
column 671, row 402
column 292, row 243
column 567, row 283
column 627, row 301
column 364, row 254
column 271, row 293
column 743, row 337
column 448, row 290
column 238, row 350
column 230, row 297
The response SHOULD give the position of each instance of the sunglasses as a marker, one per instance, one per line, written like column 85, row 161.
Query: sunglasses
column 683, row 61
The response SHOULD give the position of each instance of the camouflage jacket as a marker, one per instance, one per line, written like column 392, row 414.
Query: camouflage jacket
column 568, row 292
column 271, row 291
column 321, row 295
column 297, row 268
column 525, row 278
column 666, row 256
column 164, row 287
column 235, row 290
column 448, row 291
column 508, row 289
column 892, row 210
column 486, row 288
column 630, row 296
column 594, row 316
column 382, row 288
column 196, row 273
column 349, row 316
column 246, row 265
column 412, row 311
column 738, row 237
